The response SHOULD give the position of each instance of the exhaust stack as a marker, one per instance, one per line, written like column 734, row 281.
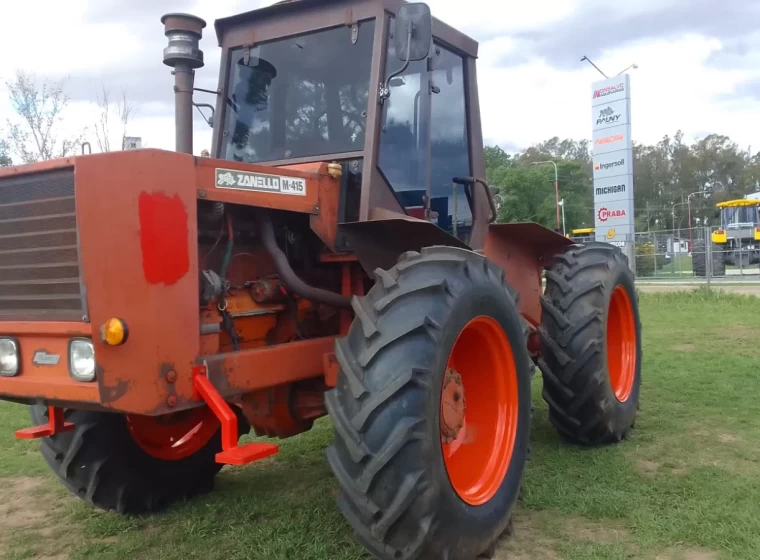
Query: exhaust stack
column 184, row 56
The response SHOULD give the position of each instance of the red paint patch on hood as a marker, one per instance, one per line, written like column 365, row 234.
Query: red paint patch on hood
column 163, row 238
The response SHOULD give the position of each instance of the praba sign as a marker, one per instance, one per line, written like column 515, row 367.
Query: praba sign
column 605, row 214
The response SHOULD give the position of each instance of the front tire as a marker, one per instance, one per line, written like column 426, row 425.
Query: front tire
column 102, row 462
column 591, row 344
column 434, row 387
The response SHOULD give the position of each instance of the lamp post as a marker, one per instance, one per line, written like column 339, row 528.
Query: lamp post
column 556, row 186
column 562, row 205
column 688, row 201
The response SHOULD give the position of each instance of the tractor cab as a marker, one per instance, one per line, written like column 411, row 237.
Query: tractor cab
column 307, row 81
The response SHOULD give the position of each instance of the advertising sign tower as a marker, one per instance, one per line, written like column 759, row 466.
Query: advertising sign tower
column 613, row 162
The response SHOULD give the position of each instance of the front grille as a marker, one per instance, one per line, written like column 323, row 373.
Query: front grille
column 39, row 257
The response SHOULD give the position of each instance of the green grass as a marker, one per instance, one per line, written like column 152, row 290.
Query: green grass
column 685, row 485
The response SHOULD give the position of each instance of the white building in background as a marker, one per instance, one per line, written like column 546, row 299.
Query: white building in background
column 753, row 196
column 131, row 143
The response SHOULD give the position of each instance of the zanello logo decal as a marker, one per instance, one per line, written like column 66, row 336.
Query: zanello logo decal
column 609, row 90
column 605, row 214
column 609, row 165
column 608, row 116
column 612, row 189
column 608, row 139
column 260, row 182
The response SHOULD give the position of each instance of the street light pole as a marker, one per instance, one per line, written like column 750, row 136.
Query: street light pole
column 556, row 186
column 688, row 201
column 562, row 204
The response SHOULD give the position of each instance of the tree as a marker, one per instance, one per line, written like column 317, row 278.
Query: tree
column 122, row 110
column 34, row 135
column 5, row 159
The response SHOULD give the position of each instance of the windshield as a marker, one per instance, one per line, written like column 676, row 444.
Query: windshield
column 298, row 97
column 736, row 215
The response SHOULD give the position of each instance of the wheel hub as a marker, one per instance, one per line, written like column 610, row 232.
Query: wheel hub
column 453, row 406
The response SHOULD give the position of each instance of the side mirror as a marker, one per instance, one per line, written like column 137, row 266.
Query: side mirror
column 413, row 36
column 414, row 32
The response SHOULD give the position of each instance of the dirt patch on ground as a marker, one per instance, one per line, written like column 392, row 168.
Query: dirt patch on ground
column 683, row 348
column 648, row 468
column 729, row 438
column 525, row 541
column 581, row 529
column 687, row 554
column 535, row 535
column 37, row 518
column 18, row 506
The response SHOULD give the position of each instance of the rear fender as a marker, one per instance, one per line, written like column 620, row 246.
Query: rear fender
column 522, row 250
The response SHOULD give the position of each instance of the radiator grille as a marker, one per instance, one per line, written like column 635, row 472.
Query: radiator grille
column 39, row 257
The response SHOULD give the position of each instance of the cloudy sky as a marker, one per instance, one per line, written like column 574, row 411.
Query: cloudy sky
column 699, row 62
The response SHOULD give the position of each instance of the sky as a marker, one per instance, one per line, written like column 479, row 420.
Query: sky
column 698, row 62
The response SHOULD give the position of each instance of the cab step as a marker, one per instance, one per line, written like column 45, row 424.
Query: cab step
column 232, row 453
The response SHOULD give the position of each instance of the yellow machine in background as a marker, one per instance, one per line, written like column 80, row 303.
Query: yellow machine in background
column 739, row 235
column 583, row 235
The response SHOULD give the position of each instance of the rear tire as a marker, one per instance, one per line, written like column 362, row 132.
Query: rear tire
column 403, row 499
column 591, row 344
column 100, row 462
column 699, row 259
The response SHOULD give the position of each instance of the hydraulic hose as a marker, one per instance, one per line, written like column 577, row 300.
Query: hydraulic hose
column 288, row 276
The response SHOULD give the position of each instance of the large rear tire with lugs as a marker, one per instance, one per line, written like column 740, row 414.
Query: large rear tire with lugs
column 431, row 411
column 134, row 464
column 591, row 344
column 699, row 259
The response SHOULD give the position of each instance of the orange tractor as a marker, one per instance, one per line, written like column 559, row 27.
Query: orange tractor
column 336, row 255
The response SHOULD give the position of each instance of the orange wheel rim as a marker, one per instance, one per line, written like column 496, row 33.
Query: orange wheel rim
column 621, row 344
column 479, row 406
column 174, row 436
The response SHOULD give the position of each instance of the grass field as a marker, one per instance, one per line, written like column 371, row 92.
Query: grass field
column 685, row 486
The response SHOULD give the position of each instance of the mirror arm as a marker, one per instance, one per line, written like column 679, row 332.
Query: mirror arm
column 385, row 91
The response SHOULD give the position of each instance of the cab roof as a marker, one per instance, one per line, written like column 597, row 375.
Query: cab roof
column 290, row 8
column 738, row 202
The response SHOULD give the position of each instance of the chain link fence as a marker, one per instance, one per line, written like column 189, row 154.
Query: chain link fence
column 702, row 253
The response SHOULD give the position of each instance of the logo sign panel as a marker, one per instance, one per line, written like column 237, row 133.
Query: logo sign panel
column 611, row 164
column 609, row 114
column 611, row 139
column 612, row 189
column 260, row 182
column 614, row 89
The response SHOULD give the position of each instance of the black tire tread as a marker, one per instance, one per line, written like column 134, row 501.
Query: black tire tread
column 573, row 340
column 99, row 462
column 699, row 259
column 374, row 514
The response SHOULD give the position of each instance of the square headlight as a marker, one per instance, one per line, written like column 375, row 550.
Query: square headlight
column 82, row 359
column 9, row 361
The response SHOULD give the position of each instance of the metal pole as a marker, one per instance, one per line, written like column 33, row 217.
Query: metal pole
column 556, row 191
column 709, row 257
column 564, row 232
column 183, row 107
column 691, row 244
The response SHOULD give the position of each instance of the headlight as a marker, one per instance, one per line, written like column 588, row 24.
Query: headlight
column 82, row 359
column 8, row 357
